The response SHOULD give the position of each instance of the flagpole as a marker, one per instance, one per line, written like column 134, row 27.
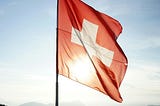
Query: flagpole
column 57, row 85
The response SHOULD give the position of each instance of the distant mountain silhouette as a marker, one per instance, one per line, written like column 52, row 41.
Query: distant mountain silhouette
column 35, row 104
column 74, row 103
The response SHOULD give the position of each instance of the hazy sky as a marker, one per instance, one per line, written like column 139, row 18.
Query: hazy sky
column 27, row 53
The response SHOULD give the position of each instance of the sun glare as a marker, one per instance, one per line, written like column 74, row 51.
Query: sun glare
column 82, row 69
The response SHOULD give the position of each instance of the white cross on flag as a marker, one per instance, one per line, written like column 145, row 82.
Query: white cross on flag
column 87, row 49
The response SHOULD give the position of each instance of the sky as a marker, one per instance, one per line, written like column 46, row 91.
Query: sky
column 28, row 44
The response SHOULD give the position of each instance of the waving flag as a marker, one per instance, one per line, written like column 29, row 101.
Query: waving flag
column 87, row 49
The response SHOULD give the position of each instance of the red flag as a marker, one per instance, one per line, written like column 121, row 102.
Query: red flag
column 87, row 49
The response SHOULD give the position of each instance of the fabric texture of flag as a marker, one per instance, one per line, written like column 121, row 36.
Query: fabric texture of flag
column 87, row 49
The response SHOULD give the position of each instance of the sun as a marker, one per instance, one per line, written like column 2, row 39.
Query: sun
column 82, row 69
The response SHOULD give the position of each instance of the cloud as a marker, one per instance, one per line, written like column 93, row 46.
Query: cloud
column 155, row 76
column 2, row 12
column 141, row 83
column 12, row 3
column 36, row 77
column 143, row 41
column 149, row 42
column 153, row 41
column 110, row 8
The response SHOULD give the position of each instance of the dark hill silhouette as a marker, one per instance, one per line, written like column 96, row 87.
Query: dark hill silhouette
column 2, row 105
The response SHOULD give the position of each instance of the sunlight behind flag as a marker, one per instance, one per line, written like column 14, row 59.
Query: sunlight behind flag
column 82, row 70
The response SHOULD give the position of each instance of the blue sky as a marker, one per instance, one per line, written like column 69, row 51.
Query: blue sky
column 27, row 53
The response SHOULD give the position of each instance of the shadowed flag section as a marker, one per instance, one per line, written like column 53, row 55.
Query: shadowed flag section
column 87, row 49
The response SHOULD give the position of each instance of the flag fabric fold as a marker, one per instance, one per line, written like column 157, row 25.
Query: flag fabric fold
column 87, row 48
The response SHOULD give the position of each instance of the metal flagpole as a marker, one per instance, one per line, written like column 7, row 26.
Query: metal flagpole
column 57, row 101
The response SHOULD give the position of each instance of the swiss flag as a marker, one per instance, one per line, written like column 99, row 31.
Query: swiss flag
column 87, row 49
